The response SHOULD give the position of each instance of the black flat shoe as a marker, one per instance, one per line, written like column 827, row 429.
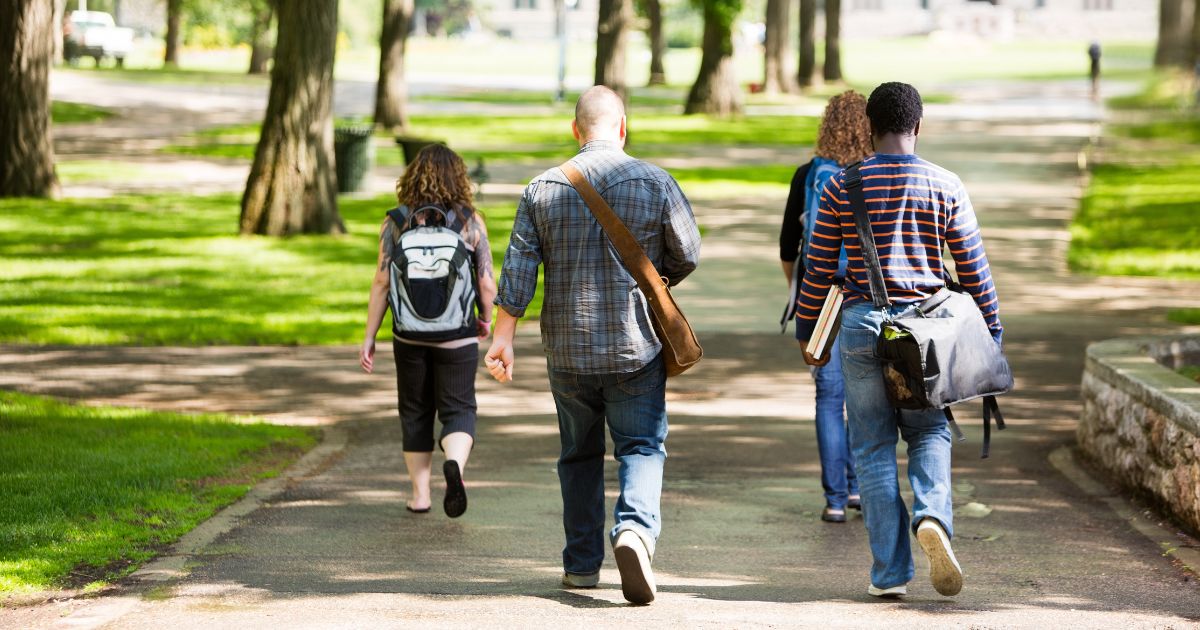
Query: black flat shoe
column 833, row 515
column 456, row 495
column 855, row 502
column 415, row 510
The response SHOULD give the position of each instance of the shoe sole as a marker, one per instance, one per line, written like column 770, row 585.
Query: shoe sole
column 455, row 502
column 635, row 583
column 887, row 593
column 943, row 570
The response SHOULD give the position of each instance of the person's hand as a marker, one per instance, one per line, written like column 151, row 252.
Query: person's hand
column 366, row 355
column 483, row 329
column 499, row 360
column 809, row 358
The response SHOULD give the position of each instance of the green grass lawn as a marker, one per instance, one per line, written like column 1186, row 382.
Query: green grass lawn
column 64, row 113
column 158, row 270
column 517, row 138
column 90, row 493
column 1191, row 371
column 1138, row 215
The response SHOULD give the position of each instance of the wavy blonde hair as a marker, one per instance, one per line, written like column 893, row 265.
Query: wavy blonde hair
column 845, row 133
column 436, row 177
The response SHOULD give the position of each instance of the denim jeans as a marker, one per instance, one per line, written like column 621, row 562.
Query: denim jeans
column 833, row 445
column 874, row 426
column 635, row 407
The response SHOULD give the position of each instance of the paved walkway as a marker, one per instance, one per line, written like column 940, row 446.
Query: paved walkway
column 742, row 545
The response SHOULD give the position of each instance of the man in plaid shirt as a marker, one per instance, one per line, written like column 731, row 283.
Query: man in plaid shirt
column 601, row 349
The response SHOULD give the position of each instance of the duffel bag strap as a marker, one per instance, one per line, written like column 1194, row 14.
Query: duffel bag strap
column 862, row 224
column 958, row 434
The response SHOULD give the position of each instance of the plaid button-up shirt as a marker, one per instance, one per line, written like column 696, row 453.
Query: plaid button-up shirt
column 594, row 319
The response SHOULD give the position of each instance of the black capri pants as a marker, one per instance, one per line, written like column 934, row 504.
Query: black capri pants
column 435, row 382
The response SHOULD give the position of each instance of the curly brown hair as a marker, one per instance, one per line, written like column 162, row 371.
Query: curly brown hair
column 845, row 133
column 436, row 177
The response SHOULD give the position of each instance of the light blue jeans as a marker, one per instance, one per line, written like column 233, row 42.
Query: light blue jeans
column 833, row 445
column 636, row 409
column 874, row 426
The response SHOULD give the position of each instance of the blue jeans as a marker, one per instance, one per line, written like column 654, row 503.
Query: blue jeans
column 833, row 445
column 874, row 425
column 636, row 409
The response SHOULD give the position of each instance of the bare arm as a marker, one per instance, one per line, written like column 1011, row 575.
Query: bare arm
column 486, row 276
column 377, row 301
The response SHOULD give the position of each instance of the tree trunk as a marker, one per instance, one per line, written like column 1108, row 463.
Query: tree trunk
column 833, row 43
column 391, row 92
column 1171, row 46
column 658, row 42
column 1195, row 33
column 26, row 47
column 808, row 46
column 60, row 11
column 613, row 23
column 292, row 187
column 716, row 89
column 174, row 15
column 260, row 38
column 776, row 77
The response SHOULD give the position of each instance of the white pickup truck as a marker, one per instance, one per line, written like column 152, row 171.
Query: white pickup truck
column 94, row 34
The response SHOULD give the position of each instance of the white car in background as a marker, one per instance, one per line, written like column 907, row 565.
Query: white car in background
column 94, row 34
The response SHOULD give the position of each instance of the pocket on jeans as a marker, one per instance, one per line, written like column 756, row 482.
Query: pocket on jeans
column 644, row 380
column 858, row 353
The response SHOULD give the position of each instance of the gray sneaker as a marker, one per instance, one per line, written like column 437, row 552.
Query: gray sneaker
column 944, row 571
column 578, row 580
column 633, row 561
column 891, row 591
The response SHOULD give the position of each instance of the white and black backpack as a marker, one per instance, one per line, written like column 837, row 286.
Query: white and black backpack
column 432, row 293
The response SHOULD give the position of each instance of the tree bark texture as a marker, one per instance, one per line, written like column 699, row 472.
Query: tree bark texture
column 391, row 92
column 808, row 46
column 260, row 39
column 174, row 32
column 1195, row 33
column 716, row 88
column 614, row 19
column 60, row 10
column 1171, row 49
column 658, row 42
column 26, row 48
column 775, row 49
column 833, row 40
column 292, row 188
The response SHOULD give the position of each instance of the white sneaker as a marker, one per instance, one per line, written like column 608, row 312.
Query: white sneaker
column 894, row 591
column 944, row 571
column 633, row 561
column 576, row 580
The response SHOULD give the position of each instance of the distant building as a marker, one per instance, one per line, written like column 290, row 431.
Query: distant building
column 534, row 19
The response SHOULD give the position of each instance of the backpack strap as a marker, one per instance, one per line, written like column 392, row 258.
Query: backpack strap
column 958, row 434
column 862, row 224
column 991, row 409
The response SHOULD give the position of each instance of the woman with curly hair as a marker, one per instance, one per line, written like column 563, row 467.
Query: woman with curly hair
column 435, row 373
column 843, row 139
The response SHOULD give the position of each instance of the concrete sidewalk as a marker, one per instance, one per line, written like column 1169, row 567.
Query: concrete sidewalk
column 742, row 544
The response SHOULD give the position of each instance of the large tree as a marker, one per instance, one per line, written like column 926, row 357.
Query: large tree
column 174, row 32
column 716, row 88
column 1172, row 47
column 833, row 40
column 611, row 30
column 292, row 187
column 808, row 46
column 262, row 11
column 775, row 75
column 26, row 48
column 1195, row 33
column 391, row 92
column 658, row 41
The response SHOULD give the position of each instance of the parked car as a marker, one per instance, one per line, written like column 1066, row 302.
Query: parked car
column 94, row 34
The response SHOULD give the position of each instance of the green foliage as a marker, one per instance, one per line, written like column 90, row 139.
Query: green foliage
column 92, row 492
column 158, row 270
column 1191, row 371
column 64, row 113
column 1185, row 315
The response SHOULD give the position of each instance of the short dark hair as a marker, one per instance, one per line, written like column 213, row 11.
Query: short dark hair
column 894, row 108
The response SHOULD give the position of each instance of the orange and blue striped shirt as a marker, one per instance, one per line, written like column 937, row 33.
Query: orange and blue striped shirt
column 917, row 210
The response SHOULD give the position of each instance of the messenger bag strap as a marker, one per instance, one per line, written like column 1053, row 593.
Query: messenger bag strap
column 635, row 259
column 862, row 225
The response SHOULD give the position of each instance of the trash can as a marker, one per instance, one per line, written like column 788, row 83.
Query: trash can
column 353, row 153
column 412, row 146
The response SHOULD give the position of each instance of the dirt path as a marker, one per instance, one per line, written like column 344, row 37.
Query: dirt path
column 741, row 544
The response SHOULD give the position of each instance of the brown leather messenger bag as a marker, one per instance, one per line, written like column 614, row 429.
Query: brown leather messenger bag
column 680, row 349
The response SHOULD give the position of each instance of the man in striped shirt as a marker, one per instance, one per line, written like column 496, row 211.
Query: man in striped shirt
column 917, row 209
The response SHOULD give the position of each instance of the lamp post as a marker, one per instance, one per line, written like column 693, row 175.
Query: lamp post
column 560, row 29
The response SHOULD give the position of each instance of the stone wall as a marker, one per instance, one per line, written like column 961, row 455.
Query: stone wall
column 1141, row 420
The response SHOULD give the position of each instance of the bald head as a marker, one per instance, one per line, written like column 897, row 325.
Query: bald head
column 599, row 115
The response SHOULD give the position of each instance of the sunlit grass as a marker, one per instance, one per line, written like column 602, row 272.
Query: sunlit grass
column 89, row 493
column 64, row 113
column 155, row 270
